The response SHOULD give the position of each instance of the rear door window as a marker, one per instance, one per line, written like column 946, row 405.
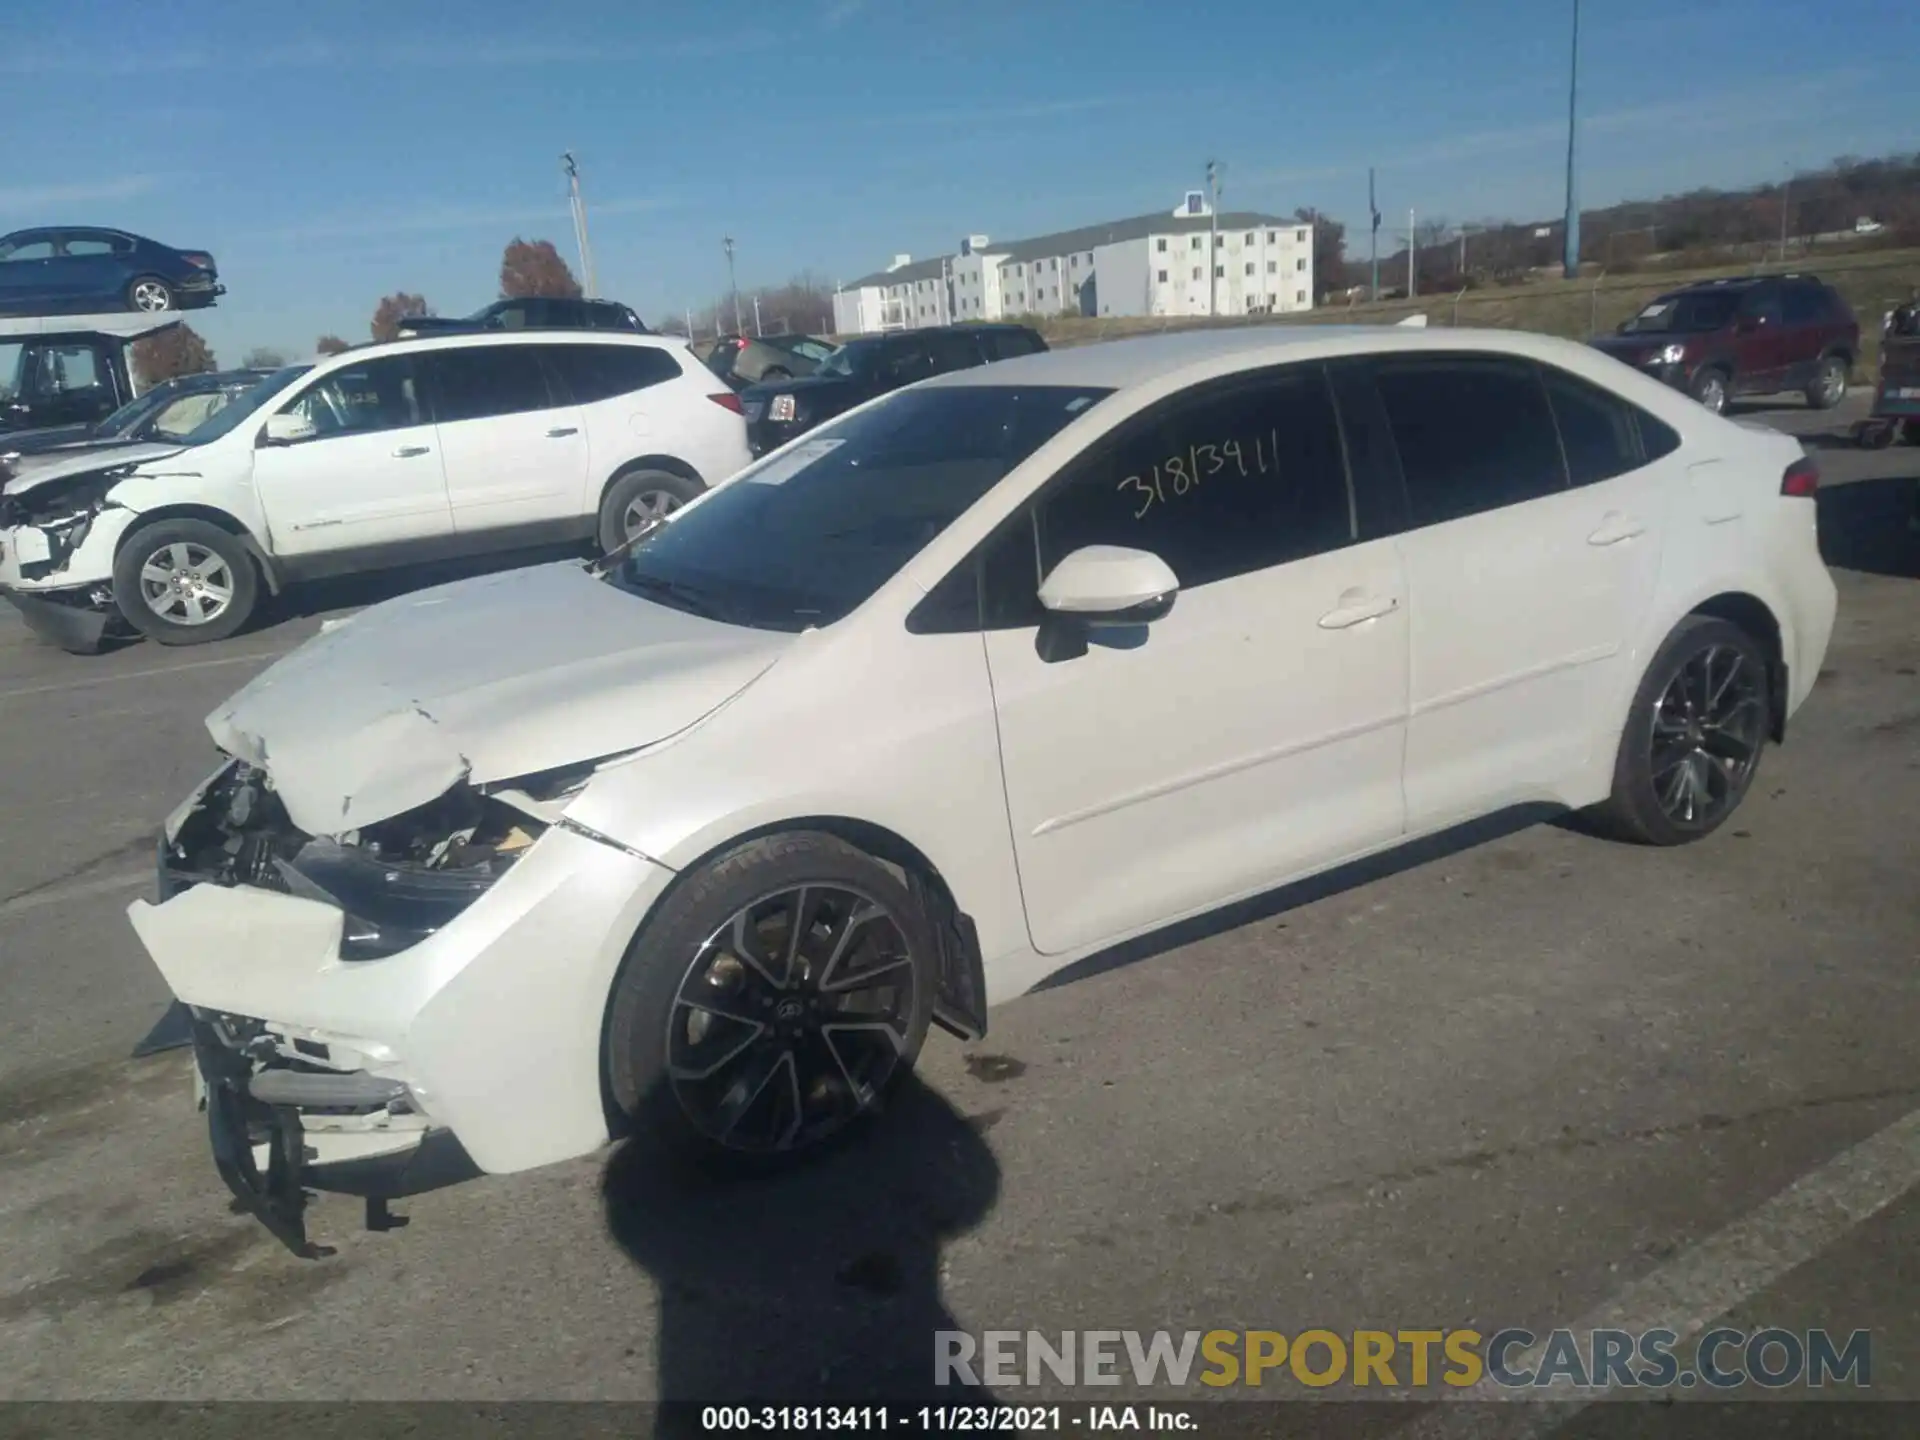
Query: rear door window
column 1474, row 433
column 1804, row 305
column 477, row 382
column 954, row 351
column 905, row 361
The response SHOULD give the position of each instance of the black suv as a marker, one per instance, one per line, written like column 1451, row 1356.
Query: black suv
column 1751, row 336
column 870, row 366
column 532, row 312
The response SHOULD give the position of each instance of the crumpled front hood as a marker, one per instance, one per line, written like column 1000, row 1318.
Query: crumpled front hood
column 30, row 472
column 484, row 680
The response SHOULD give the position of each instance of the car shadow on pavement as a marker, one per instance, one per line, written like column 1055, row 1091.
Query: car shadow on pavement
column 349, row 592
column 1315, row 887
column 1869, row 525
column 819, row 1284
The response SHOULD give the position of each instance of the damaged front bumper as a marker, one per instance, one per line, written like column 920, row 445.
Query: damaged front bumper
column 56, row 566
column 340, row 1050
column 79, row 621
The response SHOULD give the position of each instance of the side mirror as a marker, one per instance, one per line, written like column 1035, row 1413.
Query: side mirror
column 287, row 429
column 1109, row 589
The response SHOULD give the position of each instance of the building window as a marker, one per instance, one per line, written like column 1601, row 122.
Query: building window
column 1161, row 246
column 1300, row 264
column 1076, row 262
column 1219, row 272
column 1301, row 236
column 1196, row 272
column 1250, row 237
column 1196, row 242
column 1272, row 238
column 1300, row 297
column 1249, row 267
column 1163, row 277
column 1272, row 265
column 1218, row 241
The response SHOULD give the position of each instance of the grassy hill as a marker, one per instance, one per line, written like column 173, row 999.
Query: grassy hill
column 1872, row 282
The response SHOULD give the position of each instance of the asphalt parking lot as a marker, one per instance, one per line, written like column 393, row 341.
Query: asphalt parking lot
column 1530, row 1079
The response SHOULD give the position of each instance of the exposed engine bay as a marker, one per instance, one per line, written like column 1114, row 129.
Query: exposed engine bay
column 63, row 512
column 397, row 881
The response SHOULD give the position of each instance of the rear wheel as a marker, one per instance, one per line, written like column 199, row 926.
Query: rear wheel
column 772, row 1003
column 149, row 293
column 639, row 499
column 184, row 582
column 1709, row 387
column 1693, row 737
column 1829, row 384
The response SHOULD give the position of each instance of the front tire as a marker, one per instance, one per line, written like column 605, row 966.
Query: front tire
column 1710, row 388
column 640, row 498
column 1693, row 738
column 772, row 1003
column 184, row 582
column 150, row 294
column 1829, row 384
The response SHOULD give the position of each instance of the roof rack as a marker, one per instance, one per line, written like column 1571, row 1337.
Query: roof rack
column 124, row 325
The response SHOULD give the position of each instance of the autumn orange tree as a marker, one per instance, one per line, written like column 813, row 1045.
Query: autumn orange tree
column 332, row 344
column 177, row 350
column 395, row 308
column 534, row 267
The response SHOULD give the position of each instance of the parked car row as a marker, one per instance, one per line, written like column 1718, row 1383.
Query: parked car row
column 983, row 678
column 481, row 438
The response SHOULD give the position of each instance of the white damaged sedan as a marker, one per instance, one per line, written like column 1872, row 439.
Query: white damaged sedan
column 966, row 686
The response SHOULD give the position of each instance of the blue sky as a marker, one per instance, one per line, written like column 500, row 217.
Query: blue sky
column 330, row 154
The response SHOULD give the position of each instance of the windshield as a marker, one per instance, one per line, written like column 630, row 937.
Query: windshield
column 856, row 357
column 122, row 422
column 242, row 405
column 805, row 536
column 1688, row 313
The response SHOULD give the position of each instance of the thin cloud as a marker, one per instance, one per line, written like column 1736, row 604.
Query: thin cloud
column 840, row 12
column 24, row 199
column 452, row 219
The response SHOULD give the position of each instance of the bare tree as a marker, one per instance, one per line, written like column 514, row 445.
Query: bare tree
column 395, row 308
column 330, row 345
column 534, row 267
column 263, row 357
column 177, row 350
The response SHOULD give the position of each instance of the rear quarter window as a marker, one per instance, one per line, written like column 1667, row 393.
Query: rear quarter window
column 1597, row 428
column 593, row 373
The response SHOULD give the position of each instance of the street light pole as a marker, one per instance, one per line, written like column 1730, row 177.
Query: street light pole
column 1373, row 243
column 571, row 169
column 1213, row 236
column 1786, row 195
column 733, row 285
column 1570, row 258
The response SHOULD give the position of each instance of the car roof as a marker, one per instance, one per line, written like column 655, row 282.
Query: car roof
column 1118, row 364
column 459, row 338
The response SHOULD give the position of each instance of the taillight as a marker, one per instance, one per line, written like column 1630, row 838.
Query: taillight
column 729, row 401
column 1802, row 479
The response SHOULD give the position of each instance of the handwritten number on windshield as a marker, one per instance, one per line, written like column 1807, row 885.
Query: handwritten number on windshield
column 1182, row 474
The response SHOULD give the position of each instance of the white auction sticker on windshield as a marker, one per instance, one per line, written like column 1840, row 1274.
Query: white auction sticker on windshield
column 779, row 471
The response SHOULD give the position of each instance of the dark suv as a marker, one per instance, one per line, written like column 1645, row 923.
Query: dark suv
column 532, row 312
column 870, row 366
column 1757, row 336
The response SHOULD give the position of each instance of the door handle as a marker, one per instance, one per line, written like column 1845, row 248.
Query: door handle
column 1359, row 610
column 1615, row 528
column 560, row 432
column 407, row 452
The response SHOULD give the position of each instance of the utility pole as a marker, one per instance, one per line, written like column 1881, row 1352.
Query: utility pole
column 1373, row 211
column 572, row 171
column 1413, row 253
column 1786, row 195
column 1214, row 169
column 1570, row 258
column 726, row 242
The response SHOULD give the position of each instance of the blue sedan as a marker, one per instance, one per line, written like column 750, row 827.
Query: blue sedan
column 68, row 269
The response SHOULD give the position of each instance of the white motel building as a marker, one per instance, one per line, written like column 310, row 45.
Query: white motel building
column 1146, row 265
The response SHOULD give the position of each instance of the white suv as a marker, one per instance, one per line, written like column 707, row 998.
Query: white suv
column 382, row 456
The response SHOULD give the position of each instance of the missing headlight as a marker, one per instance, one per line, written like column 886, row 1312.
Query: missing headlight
column 397, row 882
